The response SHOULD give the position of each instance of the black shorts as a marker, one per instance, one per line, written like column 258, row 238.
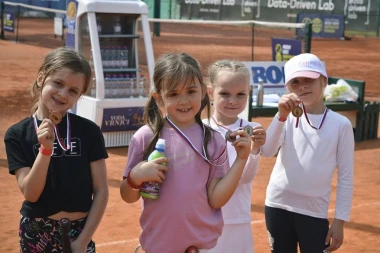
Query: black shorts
column 288, row 230
column 43, row 235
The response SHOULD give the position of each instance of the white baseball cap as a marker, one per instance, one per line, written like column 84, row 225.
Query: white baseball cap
column 304, row 65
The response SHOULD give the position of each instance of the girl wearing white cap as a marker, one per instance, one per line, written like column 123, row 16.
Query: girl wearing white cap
column 312, row 141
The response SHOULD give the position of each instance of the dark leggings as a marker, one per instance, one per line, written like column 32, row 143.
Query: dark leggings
column 287, row 230
column 43, row 235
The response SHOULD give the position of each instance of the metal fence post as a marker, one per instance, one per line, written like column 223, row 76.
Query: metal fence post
column 18, row 22
column 252, row 41
column 2, row 6
column 156, row 25
column 308, row 35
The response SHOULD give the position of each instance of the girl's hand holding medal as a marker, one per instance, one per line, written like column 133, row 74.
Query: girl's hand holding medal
column 289, row 103
column 242, row 144
column 45, row 134
column 258, row 137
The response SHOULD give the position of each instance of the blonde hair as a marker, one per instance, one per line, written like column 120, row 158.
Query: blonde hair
column 225, row 65
column 56, row 60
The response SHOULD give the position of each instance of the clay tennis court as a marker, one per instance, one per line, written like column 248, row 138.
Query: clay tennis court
column 119, row 230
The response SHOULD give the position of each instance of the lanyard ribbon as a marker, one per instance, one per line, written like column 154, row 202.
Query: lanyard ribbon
column 217, row 123
column 58, row 137
column 204, row 156
column 308, row 121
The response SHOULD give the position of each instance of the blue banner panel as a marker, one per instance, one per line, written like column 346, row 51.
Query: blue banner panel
column 9, row 21
column 122, row 119
column 272, row 74
column 284, row 49
column 71, row 17
column 324, row 25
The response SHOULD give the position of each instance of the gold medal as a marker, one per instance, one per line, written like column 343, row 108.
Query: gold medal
column 248, row 129
column 56, row 117
column 228, row 137
column 297, row 111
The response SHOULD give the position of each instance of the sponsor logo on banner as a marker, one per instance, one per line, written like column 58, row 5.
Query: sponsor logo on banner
column 284, row 49
column 272, row 74
column 321, row 5
column 324, row 25
column 9, row 21
column 122, row 119
column 355, row 8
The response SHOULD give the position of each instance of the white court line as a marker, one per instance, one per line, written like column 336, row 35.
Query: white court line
column 252, row 223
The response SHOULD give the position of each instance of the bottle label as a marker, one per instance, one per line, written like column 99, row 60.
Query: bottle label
column 152, row 189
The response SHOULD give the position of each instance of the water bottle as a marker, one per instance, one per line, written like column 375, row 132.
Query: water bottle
column 107, row 59
column 127, row 90
column 114, row 85
column 124, row 57
column 134, row 86
column 114, row 57
column 120, row 86
column 260, row 93
column 151, row 190
column 104, row 58
column 142, row 87
column 117, row 25
column 107, row 86
column 98, row 24
column 119, row 53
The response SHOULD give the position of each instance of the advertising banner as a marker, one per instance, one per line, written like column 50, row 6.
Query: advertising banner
column 122, row 119
column 9, row 21
column 324, row 25
column 272, row 74
column 284, row 49
column 358, row 15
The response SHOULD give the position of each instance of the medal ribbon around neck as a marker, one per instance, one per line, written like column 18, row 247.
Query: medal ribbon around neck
column 308, row 121
column 58, row 137
column 194, row 148
column 219, row 125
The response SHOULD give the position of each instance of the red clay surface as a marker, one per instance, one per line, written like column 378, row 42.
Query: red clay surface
column 119, row 230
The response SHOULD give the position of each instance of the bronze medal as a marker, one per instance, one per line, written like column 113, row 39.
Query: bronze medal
column 297, row 112
column 56, row 117
column 228, row 137
column 248, row 129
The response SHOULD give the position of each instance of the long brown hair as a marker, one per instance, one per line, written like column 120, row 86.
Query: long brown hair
column 170, row 70
column 59, row 58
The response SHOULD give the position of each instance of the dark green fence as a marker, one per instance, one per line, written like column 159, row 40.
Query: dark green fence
column 360, row 17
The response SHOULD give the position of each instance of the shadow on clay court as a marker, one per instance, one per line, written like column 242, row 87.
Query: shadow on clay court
column 114, row 183
column 257, row 208
column 363, row 227
column 367, row 144
column 120, row 151
column 4, row 163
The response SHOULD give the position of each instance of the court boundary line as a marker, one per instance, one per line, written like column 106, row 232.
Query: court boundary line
column 252, row 223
